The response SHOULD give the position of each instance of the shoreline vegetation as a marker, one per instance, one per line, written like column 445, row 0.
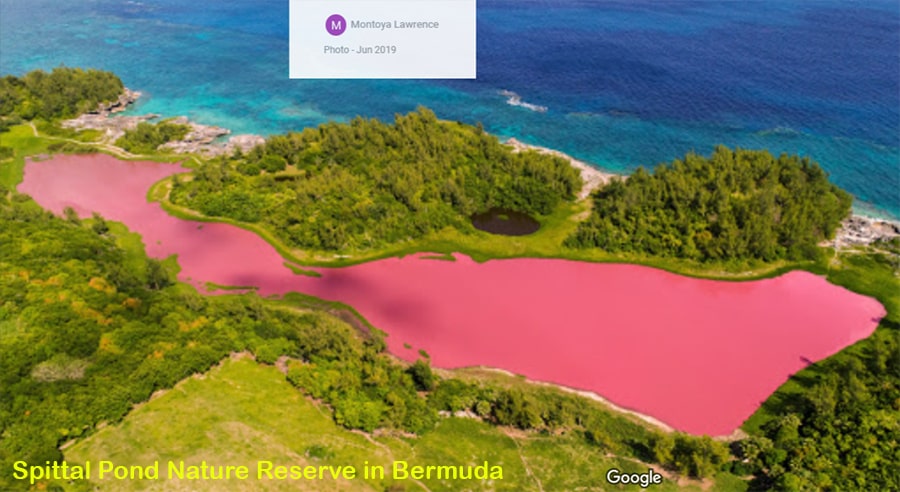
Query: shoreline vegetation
column 784, row 450
column 590, row 395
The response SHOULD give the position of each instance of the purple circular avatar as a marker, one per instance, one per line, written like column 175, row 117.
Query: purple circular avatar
column 336, row 25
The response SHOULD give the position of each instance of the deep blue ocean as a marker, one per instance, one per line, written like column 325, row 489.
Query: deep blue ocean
column 625, row 83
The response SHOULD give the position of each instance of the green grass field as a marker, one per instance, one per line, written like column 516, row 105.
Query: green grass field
column 241, row 412
column 20, row 138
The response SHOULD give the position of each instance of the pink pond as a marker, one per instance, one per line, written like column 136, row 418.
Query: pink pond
column 698, row 355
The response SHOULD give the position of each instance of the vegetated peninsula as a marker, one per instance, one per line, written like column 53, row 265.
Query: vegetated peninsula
column 367, row 184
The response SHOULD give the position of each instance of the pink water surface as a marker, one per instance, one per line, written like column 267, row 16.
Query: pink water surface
column 699, row 355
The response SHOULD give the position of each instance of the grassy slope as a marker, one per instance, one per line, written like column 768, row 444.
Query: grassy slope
column 23, row 140
column 241, row 412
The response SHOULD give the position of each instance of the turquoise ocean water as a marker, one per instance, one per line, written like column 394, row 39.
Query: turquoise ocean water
column 623, row 83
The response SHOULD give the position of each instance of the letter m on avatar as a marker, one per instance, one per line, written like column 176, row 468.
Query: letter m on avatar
column 335, row 24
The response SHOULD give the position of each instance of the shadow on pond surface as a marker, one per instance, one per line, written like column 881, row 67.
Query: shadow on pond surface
column 505, row 222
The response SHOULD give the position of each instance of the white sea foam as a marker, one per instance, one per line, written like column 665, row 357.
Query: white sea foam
column 514, row 99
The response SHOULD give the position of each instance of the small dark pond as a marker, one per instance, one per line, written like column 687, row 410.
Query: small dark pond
column 505, row 222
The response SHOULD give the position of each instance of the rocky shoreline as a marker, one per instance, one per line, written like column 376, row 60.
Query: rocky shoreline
column 859, row 230
column 856, row 230
column 593, row 178
column 200, row 139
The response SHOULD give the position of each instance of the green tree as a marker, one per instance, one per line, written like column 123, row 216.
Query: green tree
column 421, row 375
column 99, row 224
column 157, row 275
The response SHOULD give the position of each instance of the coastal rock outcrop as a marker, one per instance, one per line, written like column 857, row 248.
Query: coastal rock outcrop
column 197, row 138
column 112, row 127
column 859, row 230
column 205, row 140
column 200, row 139
column 127, row 97
column 244, row 142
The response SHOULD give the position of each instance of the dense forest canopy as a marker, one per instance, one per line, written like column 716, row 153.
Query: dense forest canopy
column 741, row 204
column 366, row 184
column 842, row 433
column 62, row 93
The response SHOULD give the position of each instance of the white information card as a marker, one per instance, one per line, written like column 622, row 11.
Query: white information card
column 382, row 39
